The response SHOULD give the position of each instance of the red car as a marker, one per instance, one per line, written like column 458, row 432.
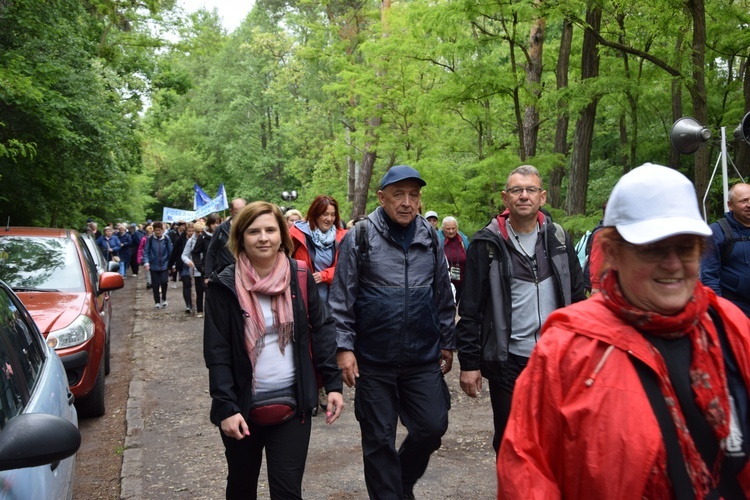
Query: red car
column 54, row 274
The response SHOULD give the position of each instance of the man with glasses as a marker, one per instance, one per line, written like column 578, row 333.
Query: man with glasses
column 519, row 268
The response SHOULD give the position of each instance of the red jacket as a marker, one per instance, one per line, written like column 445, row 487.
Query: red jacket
column 301, row 253
column 581, row 425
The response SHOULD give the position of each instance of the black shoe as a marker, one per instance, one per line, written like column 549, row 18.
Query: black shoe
column 148, row 286
column 409, row 496
column 315, row 411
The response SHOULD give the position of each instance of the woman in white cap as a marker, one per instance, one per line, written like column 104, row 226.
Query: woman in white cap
column 642, row 390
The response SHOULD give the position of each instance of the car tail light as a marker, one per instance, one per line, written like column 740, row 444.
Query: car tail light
column 78, row 332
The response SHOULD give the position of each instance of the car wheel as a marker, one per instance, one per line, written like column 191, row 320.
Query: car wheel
column 93, row 404
column 107, row 366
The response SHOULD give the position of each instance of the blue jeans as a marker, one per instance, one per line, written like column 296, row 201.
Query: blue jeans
column 418, row 395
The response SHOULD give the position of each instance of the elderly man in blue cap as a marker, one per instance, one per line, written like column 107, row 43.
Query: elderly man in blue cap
column 392, row 302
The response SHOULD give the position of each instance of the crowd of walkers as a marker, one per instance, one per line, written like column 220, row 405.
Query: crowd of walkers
column 632, row 385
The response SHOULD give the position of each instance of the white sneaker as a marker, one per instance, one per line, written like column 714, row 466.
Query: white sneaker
column 164, row 304
column 157, row 306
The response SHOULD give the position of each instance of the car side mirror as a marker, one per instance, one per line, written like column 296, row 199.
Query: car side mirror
column 110, row 281
column 34, row 439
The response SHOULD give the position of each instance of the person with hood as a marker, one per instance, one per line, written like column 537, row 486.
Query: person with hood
column 519, row 269
column 264, row 331
column 641, row 391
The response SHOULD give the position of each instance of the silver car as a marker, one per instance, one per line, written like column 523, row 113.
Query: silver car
column 38, row 423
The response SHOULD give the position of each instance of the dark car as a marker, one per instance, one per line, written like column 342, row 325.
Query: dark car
column 55, row 275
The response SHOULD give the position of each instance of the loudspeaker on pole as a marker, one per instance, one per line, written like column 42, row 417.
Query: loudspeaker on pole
column 687, row 135
column 742, row 132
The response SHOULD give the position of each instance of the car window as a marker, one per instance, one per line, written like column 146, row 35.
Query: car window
column 90, row 264
column 30, row 263
column 21, row 357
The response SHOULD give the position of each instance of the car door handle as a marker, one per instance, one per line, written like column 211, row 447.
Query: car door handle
column 71, row 398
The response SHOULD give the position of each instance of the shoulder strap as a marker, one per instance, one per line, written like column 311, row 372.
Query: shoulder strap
column 726, row 250
column 676, row 468
column 559, row 233
column 363, row 243
column 302, row 279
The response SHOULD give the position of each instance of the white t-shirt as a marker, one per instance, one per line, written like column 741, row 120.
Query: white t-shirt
column 273, row 370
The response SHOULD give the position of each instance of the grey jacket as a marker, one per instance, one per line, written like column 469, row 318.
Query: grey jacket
column 390, row 306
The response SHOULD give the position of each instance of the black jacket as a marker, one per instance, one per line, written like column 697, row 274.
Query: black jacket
column 218, row 255
column 483, row 332
column 230, row 373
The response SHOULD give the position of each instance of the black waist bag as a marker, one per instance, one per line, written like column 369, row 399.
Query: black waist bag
column 272, row 408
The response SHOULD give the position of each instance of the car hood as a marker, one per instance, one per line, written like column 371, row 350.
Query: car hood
column 53, row 311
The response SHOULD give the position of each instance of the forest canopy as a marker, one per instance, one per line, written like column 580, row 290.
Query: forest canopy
column 114, row 109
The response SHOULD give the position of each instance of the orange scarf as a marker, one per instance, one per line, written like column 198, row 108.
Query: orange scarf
column 707, row 371
column 247, row 283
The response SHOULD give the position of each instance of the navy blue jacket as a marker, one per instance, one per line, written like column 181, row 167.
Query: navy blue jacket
column 156, row 253
column 733, row 279
column 393, row 306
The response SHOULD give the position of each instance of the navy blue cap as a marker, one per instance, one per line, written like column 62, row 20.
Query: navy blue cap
column 401, row 173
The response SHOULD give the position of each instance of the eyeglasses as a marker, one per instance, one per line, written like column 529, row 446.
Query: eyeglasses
column 686, row 251
column 515, row 191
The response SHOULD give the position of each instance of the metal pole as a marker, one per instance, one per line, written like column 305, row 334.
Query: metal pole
column 724, row 173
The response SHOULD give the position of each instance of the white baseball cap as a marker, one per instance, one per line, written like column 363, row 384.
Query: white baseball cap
column 430, row 213
column 653, row 202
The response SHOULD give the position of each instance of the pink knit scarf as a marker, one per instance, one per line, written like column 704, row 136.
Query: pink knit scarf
column 247, row 284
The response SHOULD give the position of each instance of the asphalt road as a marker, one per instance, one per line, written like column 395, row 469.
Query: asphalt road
column 173, row 451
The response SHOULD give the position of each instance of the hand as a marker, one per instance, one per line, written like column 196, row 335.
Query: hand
column 146, row 266
column 318, row 278
column 335, row 406
column 348, row 364
column 446, row 360
column 471, row 382
column 235, row 427
column 190, row 264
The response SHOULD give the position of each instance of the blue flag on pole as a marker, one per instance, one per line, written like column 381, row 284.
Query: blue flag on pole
column 200, row 198
column 222, row 195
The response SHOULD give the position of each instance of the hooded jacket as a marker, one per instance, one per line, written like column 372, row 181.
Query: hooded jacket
column 484, row 330
column 230, row 372
column 393, row 306
column 581, row 425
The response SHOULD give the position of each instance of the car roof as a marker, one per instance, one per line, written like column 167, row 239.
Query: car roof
column 43, row 232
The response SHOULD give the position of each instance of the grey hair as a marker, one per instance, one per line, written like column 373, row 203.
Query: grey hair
column 449, row 219
column 525, row 170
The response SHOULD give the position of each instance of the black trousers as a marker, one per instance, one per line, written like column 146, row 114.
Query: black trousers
column 200, row 288
column 418, row 395
column 159, row 282
column 286, row 452
column 501, row 396
column 187, row 290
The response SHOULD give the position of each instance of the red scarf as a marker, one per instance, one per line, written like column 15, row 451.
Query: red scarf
column 247, row 283
column 707, row 372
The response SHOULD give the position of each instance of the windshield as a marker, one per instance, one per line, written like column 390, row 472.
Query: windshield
column 44, row 264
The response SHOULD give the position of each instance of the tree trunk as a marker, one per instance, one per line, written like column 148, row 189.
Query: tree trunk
column 698, row 90
column 583, row 138
column 534, row 85
column 742, row 151
column 362, row 185
column 554, row 196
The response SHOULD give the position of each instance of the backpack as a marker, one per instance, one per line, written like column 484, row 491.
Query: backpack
column 729, row 239
column 583, row 248
column 302, row 282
